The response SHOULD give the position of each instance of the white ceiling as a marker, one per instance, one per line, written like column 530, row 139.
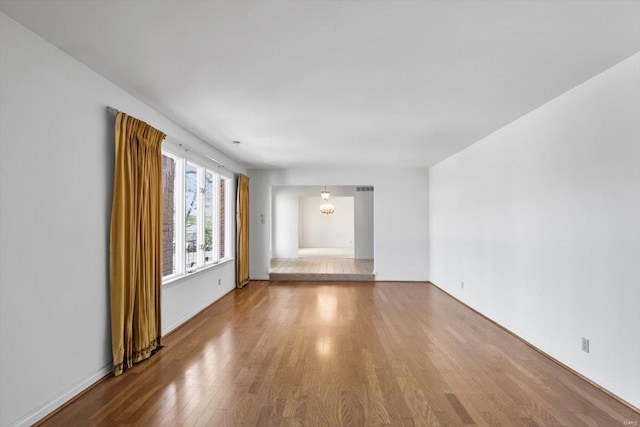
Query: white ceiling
column 352, row 83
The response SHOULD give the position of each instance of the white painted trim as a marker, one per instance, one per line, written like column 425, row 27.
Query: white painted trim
column 64, row 397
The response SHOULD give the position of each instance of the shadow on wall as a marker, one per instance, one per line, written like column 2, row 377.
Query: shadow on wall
column 109, row 142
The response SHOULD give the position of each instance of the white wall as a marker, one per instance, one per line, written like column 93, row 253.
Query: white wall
column 318, row 230
column 541, row 220
column 400, row 215
column 285, row 223
column 185, row 298
column 56, row 162
column 364, row 234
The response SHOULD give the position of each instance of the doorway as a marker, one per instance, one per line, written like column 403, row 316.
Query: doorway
column 309, row 244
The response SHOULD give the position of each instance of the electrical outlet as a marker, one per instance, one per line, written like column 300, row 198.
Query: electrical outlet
column 219, row 282
column 461, row 285
column 585, row 345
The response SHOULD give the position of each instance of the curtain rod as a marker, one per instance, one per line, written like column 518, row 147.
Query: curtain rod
column 186, row 148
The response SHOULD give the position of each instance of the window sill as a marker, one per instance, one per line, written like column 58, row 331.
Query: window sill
column 178, row 279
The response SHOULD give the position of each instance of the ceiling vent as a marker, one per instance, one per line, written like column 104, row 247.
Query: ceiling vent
column 364, row 188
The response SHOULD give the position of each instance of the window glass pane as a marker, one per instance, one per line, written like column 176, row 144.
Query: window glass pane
column 223, row 217
column 168, row 216
column 208, row 217
column 191, row 216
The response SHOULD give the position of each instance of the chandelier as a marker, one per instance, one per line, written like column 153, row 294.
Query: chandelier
column 326, row 208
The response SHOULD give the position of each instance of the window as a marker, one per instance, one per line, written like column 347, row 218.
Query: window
column 195, row 218
column 191, row 204
column 171, row 235
column 208, row 217
column 168, row 216
column 224, row 226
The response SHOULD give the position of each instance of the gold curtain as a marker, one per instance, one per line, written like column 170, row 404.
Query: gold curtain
column 135, row 242
column 242, row 232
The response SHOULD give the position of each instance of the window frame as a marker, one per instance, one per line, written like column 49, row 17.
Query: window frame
column 198, row 217
column 203, row 167
column 178, row 206
column 214, row 206
column 227, row 217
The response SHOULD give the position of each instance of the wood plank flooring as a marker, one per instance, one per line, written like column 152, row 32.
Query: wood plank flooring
column 321, row 269
column 343, row 353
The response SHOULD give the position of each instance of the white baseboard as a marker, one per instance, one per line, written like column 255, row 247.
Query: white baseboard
column 53, row 404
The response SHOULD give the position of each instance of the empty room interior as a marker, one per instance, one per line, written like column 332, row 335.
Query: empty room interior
column 404, row 213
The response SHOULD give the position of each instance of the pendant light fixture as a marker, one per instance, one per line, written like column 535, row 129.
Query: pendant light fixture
column 326, row 208
column 325, row 194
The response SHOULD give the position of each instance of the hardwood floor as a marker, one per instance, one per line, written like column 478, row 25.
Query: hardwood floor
column 343, row 353
column 323, row 269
